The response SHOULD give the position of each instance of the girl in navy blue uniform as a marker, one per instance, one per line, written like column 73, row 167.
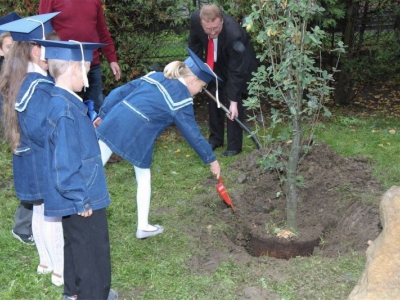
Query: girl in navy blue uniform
column 135, row 114
column 75, row 178
column 26, row 87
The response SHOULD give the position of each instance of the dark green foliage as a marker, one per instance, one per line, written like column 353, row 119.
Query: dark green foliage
column 147, row 35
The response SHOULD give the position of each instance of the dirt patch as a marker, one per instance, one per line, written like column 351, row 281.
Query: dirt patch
column 339, row 207
column 338, row 211
column 339, row 203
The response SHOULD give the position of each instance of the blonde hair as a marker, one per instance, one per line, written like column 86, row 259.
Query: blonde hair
column 177, row 69
column 210, row 12
column 57, row 67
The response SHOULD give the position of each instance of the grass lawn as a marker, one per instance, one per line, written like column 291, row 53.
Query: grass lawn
column 157, row 268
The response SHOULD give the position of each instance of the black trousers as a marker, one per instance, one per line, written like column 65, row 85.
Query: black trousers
column 87, row 266
column 217, row 119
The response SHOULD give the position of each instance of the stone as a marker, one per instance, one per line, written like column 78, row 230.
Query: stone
column 381, row 276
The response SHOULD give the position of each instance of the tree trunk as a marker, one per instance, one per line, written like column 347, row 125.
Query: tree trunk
column 344, row 86
column 292, row 190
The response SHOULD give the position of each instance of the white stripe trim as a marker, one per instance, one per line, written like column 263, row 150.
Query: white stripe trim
column 167, row 97
column 21, row 106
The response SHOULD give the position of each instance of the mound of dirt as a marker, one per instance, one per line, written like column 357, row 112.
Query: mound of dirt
column 339, row 205
column 339, row 208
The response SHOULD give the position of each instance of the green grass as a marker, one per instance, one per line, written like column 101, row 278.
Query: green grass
column 375, row 138
column 158, row 268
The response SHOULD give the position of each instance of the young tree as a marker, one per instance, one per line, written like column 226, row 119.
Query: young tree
column 291, row 76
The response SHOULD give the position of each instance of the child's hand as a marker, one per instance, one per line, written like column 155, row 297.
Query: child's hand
column 97, row 122
column 86, row 213
column 215, row 168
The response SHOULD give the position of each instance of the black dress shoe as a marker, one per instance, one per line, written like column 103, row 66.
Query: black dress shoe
column 231, row 152
column 214, row 146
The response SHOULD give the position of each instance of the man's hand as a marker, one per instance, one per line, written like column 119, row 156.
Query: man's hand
column 234, row 110
column 116, row 70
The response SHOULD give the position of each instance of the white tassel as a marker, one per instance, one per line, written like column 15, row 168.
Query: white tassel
column 84, row 75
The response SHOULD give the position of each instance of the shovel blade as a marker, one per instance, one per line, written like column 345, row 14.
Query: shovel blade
column 224, row 194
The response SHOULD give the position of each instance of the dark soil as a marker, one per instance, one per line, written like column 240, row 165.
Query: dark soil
column 338, row 212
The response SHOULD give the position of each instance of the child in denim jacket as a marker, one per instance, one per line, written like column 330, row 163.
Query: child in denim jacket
column 135, row 114
column 75, row 175
column 26, row 85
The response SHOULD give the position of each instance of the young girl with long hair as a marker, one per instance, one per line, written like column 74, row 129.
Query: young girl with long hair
column 25, row 87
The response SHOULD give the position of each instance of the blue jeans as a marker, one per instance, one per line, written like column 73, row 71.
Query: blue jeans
column 95, row 90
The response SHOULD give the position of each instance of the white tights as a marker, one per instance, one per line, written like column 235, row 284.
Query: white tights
column 105, row 152
column 143, row 179
column 49, row 240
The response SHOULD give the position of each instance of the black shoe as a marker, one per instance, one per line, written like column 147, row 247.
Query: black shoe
column 113, row 159
column 231, row 152
column 24, row 238
column 214, row 146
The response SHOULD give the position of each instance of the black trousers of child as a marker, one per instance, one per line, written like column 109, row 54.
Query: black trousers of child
column 87, row 266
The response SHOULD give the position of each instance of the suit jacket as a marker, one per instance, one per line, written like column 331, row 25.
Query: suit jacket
column 236, row 59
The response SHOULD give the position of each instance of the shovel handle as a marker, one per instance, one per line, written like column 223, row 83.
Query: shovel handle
column 236, row 119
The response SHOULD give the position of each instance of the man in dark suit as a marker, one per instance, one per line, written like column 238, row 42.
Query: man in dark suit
column 225, row 46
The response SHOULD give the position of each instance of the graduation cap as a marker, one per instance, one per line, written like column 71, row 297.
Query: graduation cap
column 9, row 18
column 33, row 27
column 199, row 68
column 68, row 50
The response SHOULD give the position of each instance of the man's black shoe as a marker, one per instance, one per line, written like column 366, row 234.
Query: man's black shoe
column 214, row 146
column 231, row 152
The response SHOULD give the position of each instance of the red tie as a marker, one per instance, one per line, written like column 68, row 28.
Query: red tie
column 210, row 53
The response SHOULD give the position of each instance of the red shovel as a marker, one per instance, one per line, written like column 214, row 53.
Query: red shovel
column 224, row 194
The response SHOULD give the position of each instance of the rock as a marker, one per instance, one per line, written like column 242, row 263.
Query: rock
column 380, row 279
column 242, row 178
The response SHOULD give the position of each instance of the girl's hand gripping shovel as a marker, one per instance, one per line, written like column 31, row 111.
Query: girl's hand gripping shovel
column 224, row 194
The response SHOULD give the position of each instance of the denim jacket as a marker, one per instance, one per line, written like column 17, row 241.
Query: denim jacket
column 31, row 105
column 135, row 114
column 75, row 175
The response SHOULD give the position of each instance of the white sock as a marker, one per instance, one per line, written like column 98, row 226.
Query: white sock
column 54, row 240
column 49, row 240
column 143, row 179
column 105, row 152
column 38, row 235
